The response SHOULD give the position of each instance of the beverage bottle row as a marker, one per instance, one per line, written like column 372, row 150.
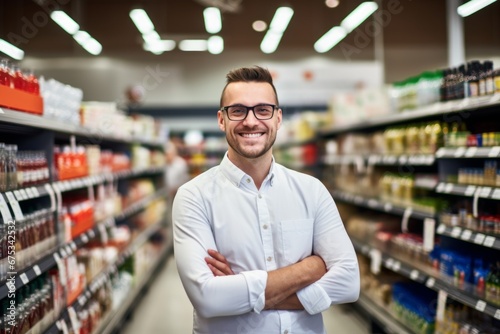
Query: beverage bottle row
column 21, row 168
column 11, row 75
column 468, row 80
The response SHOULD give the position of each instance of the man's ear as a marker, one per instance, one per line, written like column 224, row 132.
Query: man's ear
column 221, row 121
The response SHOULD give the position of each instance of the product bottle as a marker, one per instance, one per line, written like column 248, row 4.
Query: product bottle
column 6, row 78
column 11, row 159
column 490, row 85
column 459, row 83
column 482, row 79
column 473, row 79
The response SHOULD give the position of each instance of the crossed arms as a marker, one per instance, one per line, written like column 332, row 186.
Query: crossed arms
column 282, row 284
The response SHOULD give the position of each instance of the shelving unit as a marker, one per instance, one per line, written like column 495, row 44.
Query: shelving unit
column 33, row 132
column 444, row 163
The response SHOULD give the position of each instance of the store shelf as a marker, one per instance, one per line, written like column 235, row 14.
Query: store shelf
column 30, row 120
column 83, row 182
column 30, row 273
column 380, row 205
column 464, row 234
column 468, row 152
column 381, row 159
column 113, row 318
column 437, row 109
column 384, row 318
column 431, row 278
column 468, row 190
column 27, row 193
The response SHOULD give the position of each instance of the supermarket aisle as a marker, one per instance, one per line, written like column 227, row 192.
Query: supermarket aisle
column 166, row 310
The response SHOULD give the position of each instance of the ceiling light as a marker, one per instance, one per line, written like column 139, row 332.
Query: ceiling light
column 159, row 46
column 359, row 15
column 270, row 42
column 90, row 44
column 151, row 37
column 332, row 3
column 213, row 21
column 142, row 20
column 259, row 25
column 64, row 21
column 473, row 6
column 215, row 45
column 11, row 50
column 281, row 19
column 330, row 39
column 193, row 45
column 276, row 29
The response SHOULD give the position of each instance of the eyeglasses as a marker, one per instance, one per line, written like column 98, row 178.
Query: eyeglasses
column 261, row 111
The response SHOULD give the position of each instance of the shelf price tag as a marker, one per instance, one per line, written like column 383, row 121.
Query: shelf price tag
column 387, row 207
column 37, row 270
column 475, row 202
column 480, row 305
column 63, row 326
column 485, row 192
column 448, row 188
column 469, row 191
column 17, row 195
column 396, row 266
column 414, row 274
column 24, row 194
column 459, row 152
column 442, row 296
column 494, row 152
column 29, row 193
column 497, row 314
column 84, row 238
column 389, row 263
column 35, row 191
column 440, row 187
column 24, row 278
column 441, row 228
column 471, row 151
column 376, row 261
column 4, row 210
column 430, row 282
column 479, row 238
column 489, row 241
column 496, row 194
column 466, row 235
column 456, row 231
column 440, row 152
column 14, row 204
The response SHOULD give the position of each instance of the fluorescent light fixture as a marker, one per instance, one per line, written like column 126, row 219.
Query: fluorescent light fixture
column 281, row 19
column 473, row 6
column 213, row 20
column 82, row 37
column 277, row 27
column 151, row 37
column 11, row 50
column 215, row 45
column 330, row 39
column 142, row 20
column 159, row 46
column 90, row 44
column 359, row 15
column 193, row 45
column 64, row 21
column 270, row 42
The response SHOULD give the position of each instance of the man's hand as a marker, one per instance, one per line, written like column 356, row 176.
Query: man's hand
column 218, row 264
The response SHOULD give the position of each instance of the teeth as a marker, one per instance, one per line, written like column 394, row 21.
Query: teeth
column 251, row 135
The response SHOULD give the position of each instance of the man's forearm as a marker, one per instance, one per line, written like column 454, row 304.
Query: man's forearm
column 282, row 284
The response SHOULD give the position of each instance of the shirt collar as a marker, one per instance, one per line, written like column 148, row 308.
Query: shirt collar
column 236, row 175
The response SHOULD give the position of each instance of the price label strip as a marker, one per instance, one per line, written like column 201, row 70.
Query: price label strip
column 4, row 210
column 429, row 232
column 14, row 204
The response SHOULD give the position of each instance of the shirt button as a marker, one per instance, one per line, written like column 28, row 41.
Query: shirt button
column 265, row 226
column 248, row 180
column 285, row 332
column 260, row 196
column 269, row 258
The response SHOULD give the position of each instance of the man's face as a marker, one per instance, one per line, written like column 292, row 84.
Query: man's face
column 250, row 138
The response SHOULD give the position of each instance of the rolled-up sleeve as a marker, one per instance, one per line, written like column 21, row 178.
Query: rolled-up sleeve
column 211, row 296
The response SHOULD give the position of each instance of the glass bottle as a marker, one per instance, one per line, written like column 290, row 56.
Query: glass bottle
column 489, row 79
column 19, row 80
column 473, row 79
column 11, row 170
column 5, row 73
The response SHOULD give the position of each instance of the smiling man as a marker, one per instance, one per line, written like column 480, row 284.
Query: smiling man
column 259, row 248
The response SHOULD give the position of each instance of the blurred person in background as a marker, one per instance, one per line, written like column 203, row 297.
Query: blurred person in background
column 177, row 169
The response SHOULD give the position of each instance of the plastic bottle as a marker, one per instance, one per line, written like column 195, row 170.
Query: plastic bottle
column 5, row 74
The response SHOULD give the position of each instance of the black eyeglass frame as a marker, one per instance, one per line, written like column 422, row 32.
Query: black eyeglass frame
column 248, row 109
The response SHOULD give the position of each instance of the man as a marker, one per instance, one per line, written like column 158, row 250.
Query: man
column 259, row 248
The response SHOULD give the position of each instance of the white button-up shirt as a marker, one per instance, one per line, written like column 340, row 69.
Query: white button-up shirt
column 290, row 217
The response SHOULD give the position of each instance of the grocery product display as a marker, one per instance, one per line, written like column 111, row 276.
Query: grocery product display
column 83, row 214
column 417, row 189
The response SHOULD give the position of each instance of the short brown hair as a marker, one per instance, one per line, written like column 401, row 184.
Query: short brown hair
column 249, row 74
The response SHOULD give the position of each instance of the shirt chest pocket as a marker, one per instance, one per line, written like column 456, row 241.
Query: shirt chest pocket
column 297, row 239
